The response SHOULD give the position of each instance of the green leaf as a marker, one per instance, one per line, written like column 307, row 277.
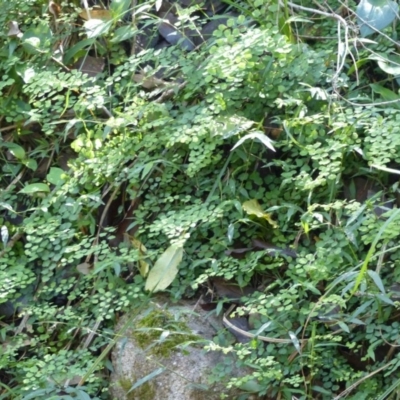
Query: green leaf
column 16, row 150
column 165, row 269
column 27, row 74
column 231, row 231
column 387, row 94
column 37, row 394
column 364, row 266
column 30, row 163
column 37, row 39
column 264, row 139
column 35, row 188
column 377, row 280
column 123, row 33
column 343, row 326
column 385, row 299
column 75, row 49
column 251, row 386
column 82, row 395
column 55, row 176
column 119, row 8
column 96, row 27
column 262, row 328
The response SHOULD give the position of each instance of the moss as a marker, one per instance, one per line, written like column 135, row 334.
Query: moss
column 143, row 392
column 151, row 327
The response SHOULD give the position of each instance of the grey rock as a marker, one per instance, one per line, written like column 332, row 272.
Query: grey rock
column 241, row 323
column 90, row 65
column 147, row 38
column 174, row 36
column 7, row 309
column 186, row 370
column 162, row 44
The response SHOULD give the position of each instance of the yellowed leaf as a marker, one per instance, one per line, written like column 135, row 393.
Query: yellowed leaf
column 165, row 269
column 143, row 265
column 104, row 15
column 84, row 268
column 252, row 207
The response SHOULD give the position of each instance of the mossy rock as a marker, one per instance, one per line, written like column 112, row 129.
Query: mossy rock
column 159, row 339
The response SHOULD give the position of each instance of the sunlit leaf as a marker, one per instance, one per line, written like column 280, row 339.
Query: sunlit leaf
column 35, row 188
column 4, row 235
column 37, row 39
column 165, row 269
column 55, row 176
column 16, row 150
column 295, row 341
column 158, row 4
column 231, row 231
column 123, row 33
column 262, row 328
column 252, row 207
column 264, row 139
column 96, row 27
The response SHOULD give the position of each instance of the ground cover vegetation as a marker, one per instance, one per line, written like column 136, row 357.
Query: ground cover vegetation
column 262, row 163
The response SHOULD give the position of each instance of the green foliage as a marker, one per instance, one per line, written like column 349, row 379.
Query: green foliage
column 265, row 138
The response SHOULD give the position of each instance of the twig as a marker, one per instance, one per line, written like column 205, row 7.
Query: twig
column 103, row 215
column 370, row 26
column 341, row 21
column 251, row 335
column 8, row 128
column 14, row 181
column 380, row 259
column 133, row 46
column 170, row 92
column 22, row 325
column 92, row 332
